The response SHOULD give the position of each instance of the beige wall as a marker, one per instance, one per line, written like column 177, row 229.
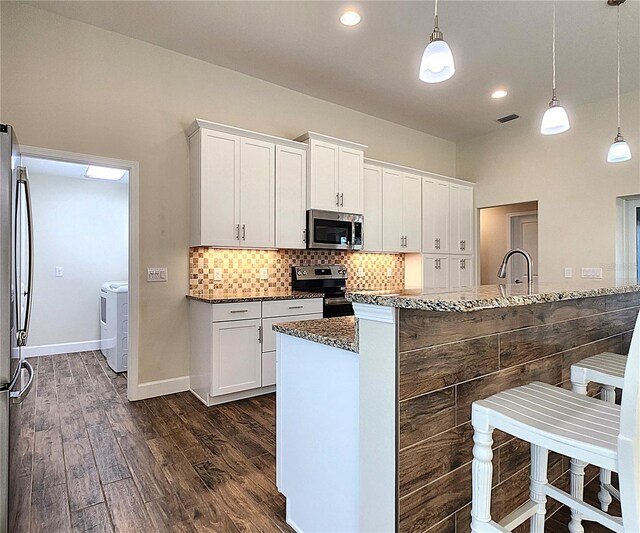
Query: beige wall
column 75, row 87
column 494, row 238
column 567, row 174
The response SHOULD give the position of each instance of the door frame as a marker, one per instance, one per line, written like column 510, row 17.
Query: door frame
column 133, row 167
column 626, row 240
column 510, row 217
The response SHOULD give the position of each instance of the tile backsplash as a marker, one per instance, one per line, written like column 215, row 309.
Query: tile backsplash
column 241, row 268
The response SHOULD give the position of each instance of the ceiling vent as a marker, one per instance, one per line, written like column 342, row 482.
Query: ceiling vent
column 508, row 118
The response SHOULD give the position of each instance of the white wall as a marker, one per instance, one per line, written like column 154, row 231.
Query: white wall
column 567, row 174
column 78, row 88
column 81, row 225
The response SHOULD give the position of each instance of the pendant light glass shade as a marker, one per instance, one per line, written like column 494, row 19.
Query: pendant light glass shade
column 555, row 119
column 437, row 60
column 619, row 150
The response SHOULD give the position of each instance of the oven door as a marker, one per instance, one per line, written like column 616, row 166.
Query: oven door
column 335, row 231
column 336, row 306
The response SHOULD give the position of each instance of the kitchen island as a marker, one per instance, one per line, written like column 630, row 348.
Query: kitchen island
column 401, row 458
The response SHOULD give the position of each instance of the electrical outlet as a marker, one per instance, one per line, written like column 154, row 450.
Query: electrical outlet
column 389, row 272
column 360, row 272
column 568, row 272
column 217, row 274
column 59, row 272
column 264, row 273
column 157, row 274
column 591, row 273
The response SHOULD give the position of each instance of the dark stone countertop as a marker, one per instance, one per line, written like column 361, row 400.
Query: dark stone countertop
column 338, row 332
column 259, row 295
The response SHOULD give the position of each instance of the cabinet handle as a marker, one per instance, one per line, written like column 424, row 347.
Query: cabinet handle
column 437, row 245
column 259, row 334
column 463, row 245
column 239, row 311
column 341, row 199
column 463, row 264
column 238, row 231
column 338, row 199
column 296, row 307
column 244, row 233
column 304, row 236
column 437, row 264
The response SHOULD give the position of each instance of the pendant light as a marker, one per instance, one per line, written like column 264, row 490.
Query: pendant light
column 619, row 150
column 437, row 59
column 555, row 119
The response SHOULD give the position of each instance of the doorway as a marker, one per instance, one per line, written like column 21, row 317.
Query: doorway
column 502, row 228
column 89, row 207
column 628, row 240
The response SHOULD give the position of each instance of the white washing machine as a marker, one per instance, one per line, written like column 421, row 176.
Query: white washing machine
column 114, row 324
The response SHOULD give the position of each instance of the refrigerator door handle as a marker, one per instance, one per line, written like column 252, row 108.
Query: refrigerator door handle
column 23, row 333
column 19, row 395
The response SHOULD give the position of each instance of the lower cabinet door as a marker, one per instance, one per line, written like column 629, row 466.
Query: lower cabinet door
column 460, row 271
column 237, row 358
column 268, row 369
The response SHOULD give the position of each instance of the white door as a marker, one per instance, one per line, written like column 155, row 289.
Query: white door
column 237, row 358
column 435, row 215
column 412, row 212
column 435, row 272
column 391, row 211
column 524, row 235
column 291, row 197
column 372, row 208
column 220, row 189
column 460, row 271
column 461, row 215
column 350, row 181
column 323, row 179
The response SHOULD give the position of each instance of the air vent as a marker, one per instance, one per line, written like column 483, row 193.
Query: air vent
column 508, row 118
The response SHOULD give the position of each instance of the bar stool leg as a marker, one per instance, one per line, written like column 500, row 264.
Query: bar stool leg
column 481, row 475
column 608, row 394
column 577, row 491
column 539, row 463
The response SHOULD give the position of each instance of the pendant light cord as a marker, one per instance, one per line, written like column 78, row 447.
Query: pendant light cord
column 553, row 48
column 618, row 48
column 435, row 17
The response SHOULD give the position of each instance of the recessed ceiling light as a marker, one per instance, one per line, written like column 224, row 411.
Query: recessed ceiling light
column 500, row 93
column 350, row 18
column 104, row 173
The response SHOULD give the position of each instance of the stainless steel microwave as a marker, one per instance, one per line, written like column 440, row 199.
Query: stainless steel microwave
column 334, row 231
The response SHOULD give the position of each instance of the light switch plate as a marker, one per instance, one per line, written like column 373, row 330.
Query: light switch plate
column 157, row 274
column 360, row 272
column 264, row 273
column 217, row 274
column 591, row 273
column 389, row 272
column 59, row 272
column 568, row 272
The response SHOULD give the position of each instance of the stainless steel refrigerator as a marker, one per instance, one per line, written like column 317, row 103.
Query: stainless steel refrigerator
column 16, row 282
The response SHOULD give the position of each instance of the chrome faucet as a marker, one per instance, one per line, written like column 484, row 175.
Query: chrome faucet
column 502, row 273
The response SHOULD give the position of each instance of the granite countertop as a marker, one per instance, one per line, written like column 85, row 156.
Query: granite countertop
column 338, row 332
column 489, row 296
column 258, row 295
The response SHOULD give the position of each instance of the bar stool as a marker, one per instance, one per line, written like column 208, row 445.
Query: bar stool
column 586, row 429
column 606, row 369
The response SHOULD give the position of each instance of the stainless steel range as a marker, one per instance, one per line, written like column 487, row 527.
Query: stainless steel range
column 330, row 280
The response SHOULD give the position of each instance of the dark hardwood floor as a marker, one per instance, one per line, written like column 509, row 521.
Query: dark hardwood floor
column 89, row 460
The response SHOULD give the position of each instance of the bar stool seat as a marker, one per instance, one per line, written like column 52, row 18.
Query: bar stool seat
column 606, row 368
column 551, row 419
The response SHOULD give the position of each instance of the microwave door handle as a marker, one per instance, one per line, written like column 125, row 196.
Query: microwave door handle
column 23, row 333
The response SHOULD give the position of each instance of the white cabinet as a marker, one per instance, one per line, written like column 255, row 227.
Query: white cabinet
column 435, row 271
column 435, row 215
column 461, row 219
column 291, row 197
column 233, row 346
column 461, row 270
column 335, row 175
column 401, row 211
column 372, row 208
column 237, row 361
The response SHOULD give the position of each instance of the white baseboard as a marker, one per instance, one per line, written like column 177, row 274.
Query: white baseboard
column 57, row 349
column 161, row 387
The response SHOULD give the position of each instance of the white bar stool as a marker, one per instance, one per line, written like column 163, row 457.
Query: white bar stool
column 588, row 430
column 606, row 369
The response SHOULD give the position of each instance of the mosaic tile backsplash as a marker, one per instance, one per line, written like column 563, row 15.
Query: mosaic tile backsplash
column 241, row 268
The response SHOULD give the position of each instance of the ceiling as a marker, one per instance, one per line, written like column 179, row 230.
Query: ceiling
column 373, row 67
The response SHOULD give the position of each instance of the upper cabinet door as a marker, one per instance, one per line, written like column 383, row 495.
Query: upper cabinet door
column 392, row 235
column 257, row 194
column 465, row 220
column 323, row 176
column 350, row 182
column 412, row 212
column 372, row 208
column 435, row 215
column 291, row 197
column 218, row 197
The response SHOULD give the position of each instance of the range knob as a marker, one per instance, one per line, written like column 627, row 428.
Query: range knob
column 299, row 272
column 304, row 272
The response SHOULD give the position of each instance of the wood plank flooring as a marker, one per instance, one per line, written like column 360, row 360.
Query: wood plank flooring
column 88, row 460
